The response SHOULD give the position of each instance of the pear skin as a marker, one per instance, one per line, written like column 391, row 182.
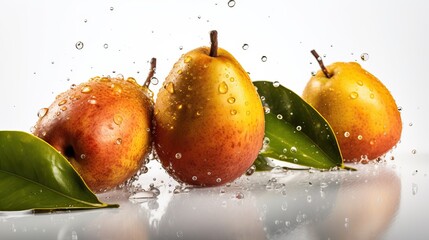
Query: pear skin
column 209, row 120
column 359, row 108
column 102, row 127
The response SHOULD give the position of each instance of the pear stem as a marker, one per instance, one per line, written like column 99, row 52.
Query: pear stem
column 151, row 72
column 214, row 43
column 322, row 66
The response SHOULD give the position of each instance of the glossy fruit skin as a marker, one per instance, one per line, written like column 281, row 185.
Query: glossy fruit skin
column 209, row 120
column 359, row 108
column 102, row 127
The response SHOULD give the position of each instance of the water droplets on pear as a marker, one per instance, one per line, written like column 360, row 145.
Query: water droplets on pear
column 117, row 119
column 42, row 112
column 86, row 89
column 354, row 95
column 223, row 87
column 170, row 87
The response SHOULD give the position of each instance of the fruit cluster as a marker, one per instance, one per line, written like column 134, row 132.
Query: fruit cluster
column 207, row 123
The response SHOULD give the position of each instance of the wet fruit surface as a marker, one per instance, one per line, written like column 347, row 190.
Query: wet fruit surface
column 209, row 121
column 102, row 127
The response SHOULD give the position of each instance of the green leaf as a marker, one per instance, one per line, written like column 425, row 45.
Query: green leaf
column 295, row 132
column 35, row 176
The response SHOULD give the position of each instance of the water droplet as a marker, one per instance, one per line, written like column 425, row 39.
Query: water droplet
column 116, row 88
column 266, row 141
column 284, row 206
column 239, row 195
column 85, row 20
column 414, row 188
column 360, row 137
column 106, row 46
column 119, row 141
column 154, row 190
column 251, row 170
column 187, row 59
column 364, row 56
column 86, row 89
column 178, row 156
column 267, row 109
column 298, row 128
column 79, row 45
column 63, row 108
column 144, row 169
column 73, row 86
column 179, row 71
column 92, row 101
column 245, row 46
column 179, row 234
column 194, row 178
column 346, row 134
column 410, row 124
column 218, row 180
column 360, row 83
column 111, row 8
column 62, row 102
column 309, row 199
column 117, row 119
column 279, row 116
column 399, row 108
column 231, row 3
column 276, row 84
column 180, row 47
column 264, row 58
column 154, row 81
column 414, row 151
column 223, row 88
column 293, row 150
column 42, row 112
column 82, row 156
column 354, row 95
column 170, row 87
column 231, row 100
column 371, row 95
column 233, row 112
column 142, row 195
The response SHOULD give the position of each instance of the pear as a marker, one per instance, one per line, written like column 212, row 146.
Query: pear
column 103, row 127
column 208, row 119
column 360, row 109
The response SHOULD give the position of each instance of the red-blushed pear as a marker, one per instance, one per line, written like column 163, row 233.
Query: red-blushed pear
column 209, row 120
column 103, row 127
column 359, row 108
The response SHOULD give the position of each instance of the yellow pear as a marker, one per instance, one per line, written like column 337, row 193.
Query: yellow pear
column 209, row 120
column 359, row 108
column 102, row 127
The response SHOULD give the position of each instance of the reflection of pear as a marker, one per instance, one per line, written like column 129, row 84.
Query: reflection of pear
column 207, row 214
column 359, row 108
column 364, row 207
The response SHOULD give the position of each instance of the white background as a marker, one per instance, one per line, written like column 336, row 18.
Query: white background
column 38, row 57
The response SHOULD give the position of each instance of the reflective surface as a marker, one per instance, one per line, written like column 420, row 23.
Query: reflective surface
column 379, row 201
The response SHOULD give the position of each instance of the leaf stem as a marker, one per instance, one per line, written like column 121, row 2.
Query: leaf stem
column 214, row 43
column 151, row 72
column 322, row 66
